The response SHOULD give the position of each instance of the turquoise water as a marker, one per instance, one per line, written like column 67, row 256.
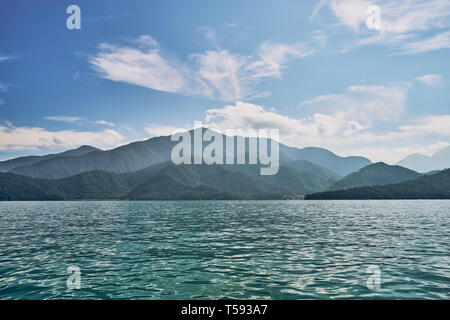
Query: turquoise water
column 225, row 249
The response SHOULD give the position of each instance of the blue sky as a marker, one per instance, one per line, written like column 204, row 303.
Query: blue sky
column 313, row 69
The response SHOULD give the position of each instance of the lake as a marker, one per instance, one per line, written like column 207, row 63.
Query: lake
column 225, row 249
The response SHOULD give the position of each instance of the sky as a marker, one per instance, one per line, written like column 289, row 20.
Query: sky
column 325, row 73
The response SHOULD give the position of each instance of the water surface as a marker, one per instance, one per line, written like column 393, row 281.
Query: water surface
column 225, row 249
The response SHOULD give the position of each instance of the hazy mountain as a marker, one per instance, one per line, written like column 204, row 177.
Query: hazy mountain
column 435, row 186
column 423, row 163
column 166, row 181
column 375, row 174
column 322, row 157
column 303, row 165
column 139, row 155
column 7, row 165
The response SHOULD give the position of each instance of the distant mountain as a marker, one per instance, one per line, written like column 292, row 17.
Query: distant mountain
column 435, row 186
column 30, row 160
column 139, row 155
column 423, row 163
column 166, row 181
column 307, row 166
column 375, row 174
column 322, row 157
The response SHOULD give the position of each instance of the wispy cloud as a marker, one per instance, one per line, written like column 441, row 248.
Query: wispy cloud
column 208, row 32
column 364, row 102
column 430, row 79
column 3, row 58
column 440, row 41
column 105, row 123
column 341, row 133
column 398, row 16
column 63, row 119
column 215, row 74
column 26, row 138
column 402, row 22
column 162, row 130
column 3, row 87
column 143, row 67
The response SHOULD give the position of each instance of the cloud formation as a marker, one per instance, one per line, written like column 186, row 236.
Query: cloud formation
column 405, row 24
column 214, row 74
column 63, row 119
column 430, row 79
column 342, row 132
column 30, row 138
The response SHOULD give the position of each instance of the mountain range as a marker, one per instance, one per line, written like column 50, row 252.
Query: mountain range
column 375, row 174
column 432, row 186
column 144, row 171
column 139, row 155
column 166, row 181
column 423, row 163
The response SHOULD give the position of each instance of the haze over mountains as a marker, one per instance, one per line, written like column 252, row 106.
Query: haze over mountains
column 143, row 171
column 30, row 160
column 139, row 155
column 375, row 174
column 433, row 186
column 423, row 163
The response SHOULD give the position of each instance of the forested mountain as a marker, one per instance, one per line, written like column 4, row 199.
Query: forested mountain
column 166, row 181
column 375, row 174
column 7, row 165
column 139, row 155
column 434, row 186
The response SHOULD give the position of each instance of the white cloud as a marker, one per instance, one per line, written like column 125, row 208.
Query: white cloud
column 399, row 17
column 273, row 57
column 215, row 74
column 208, row 33
column 351, row 13
column 440, row 41
column 64, row 119
column 405, row 16
column 436, row 124
column 428, row 150
column 143, row 67
column 160, row 130
column 339, row 132
column 430, row 79
column 105, row 123
column 365, row 102
column 402, row 22
column 3, row 58
column 26, row 138
column 221, row 75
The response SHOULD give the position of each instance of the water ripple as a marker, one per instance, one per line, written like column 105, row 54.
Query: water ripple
column 225, row 249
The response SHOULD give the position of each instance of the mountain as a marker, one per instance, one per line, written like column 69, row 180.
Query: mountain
column 322, row 157
column 434, row 186
column 423, row 163
column 139, row 155
column 166, row 181
column 30, row 160
column 375, row 174
column 303, row 165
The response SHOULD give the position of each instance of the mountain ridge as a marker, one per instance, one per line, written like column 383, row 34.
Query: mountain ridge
column 422, row 163
column 378, row 173
column 141, row 154
column 433, row 186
